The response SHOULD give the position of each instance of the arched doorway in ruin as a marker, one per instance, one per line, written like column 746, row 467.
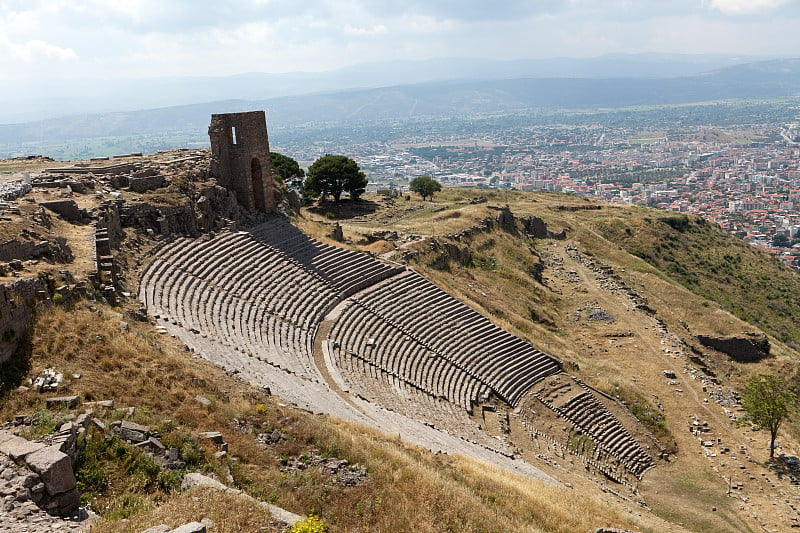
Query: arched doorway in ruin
column 258, row 185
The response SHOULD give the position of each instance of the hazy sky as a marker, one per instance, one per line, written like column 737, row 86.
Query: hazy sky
column 144, row 38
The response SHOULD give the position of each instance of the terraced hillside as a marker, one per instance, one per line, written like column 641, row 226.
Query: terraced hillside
column 332, row 329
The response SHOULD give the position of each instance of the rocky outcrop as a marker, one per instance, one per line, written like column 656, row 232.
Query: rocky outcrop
column 214, row 205
column 450, row 253
column 159, row 219
column 537, row 228
column 746, row 349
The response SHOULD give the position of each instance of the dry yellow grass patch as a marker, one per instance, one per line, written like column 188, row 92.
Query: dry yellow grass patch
column 228, row 513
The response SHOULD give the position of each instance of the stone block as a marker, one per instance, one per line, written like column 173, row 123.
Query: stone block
column 213, row 436
column 68, row 402
column 191, row 527
column 133, row 426
column 152, row 445
column 146, row 183
column 55, row 469
column 132, row 436
column 106, row 404
column 68, row 501
column 5, row 435
column 202, row 400
column 18, row 448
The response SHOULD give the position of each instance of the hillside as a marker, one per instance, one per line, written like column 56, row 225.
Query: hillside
column 617, row 295
column 614, row 318
column 747, row 281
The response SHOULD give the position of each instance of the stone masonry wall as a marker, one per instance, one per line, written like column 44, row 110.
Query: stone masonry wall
column 240, row 158
column 16, row 301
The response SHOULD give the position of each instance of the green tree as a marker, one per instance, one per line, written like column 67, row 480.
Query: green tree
column 781, row 240
column 767, row 403
column 333, row 175
column 425, row 186
column 287, row 169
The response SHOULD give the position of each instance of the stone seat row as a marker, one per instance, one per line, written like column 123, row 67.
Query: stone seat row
column 419, row 308
column 389, row 348
column 225, row 285
column 392, row 347
column 593, row 419
column 434, row 380
column 396, row 394
column 347, row 270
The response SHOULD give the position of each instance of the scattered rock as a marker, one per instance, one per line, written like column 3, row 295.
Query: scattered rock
column 340, row 471
column 163, row 528
column 60, row 402
column 191, row 527
column 203, row 400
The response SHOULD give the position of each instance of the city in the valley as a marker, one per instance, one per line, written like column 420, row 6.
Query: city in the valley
column 743, row 176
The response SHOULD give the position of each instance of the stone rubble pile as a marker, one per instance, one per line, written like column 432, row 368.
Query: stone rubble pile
column 37, row 486
column 48, row 380
column 13, row 190
column 148, row 441
column 340, row 471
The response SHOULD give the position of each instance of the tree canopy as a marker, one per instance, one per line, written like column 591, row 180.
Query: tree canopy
column 333, row 175
column 767, row 402
column 425, row 186
column 287, row 169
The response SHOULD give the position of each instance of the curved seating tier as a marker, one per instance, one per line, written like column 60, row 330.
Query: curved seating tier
column 391, row 392
column 410, row 327
column 348, row 271
column 577, row 404
column 242, row 294
column 263, row 293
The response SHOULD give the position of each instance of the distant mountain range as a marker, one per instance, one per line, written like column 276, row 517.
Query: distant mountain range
column 26, row 101
column 765, row 79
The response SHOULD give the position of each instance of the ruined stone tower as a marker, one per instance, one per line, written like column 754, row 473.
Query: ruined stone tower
column 240, row 157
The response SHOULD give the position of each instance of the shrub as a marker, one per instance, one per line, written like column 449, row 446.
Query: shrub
column 678, row 222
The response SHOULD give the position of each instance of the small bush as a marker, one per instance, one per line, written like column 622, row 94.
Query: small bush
column 192, row 453
column 58, row 299
column 678, row 222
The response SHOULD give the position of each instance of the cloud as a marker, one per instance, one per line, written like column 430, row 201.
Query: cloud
column 34, row 50
column 147, row 38
column 468, row 10
column 357, row 31
column 746, row 7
